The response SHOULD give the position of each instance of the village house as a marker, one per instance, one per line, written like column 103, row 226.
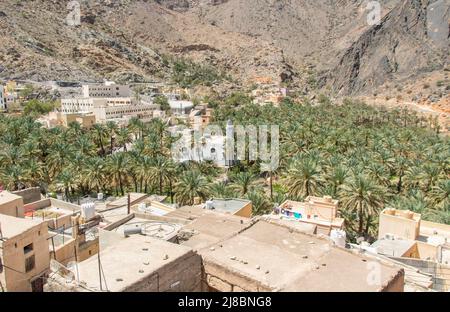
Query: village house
column 24, row 254
column 318, row 211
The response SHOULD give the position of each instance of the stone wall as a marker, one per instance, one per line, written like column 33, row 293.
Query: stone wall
column 181, row 275
column 29, row 195
column 218, row 278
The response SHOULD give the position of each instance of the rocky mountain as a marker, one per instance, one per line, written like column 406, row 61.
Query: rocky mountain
column 294, row 41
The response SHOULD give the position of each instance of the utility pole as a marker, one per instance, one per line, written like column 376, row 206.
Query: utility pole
column 99, row 269
column 129, row 204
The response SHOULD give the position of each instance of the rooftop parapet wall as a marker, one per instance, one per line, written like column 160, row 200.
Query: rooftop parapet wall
column 399, row 223
column 29, row 195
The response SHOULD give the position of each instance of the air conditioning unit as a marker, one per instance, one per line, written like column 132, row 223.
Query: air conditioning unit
column 389, row 236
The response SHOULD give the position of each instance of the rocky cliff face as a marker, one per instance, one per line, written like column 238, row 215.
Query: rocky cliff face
column 130, row 40
column 398, row 48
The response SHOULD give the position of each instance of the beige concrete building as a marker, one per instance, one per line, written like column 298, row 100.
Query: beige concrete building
column 233, row 206
column 106, row 90
column 140, row 264
column 200, row 116
column 57, row 213
column 29, row 195
column 292, row 261
column 11, row 204
column 241, row 254
column 24, row 254
column 428, row 240
column 321, row 212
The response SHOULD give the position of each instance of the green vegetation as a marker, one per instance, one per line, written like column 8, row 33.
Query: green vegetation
column 188, row 74
column 163, row 102
column 368, row 158
column 27, row 91
column 37, row 107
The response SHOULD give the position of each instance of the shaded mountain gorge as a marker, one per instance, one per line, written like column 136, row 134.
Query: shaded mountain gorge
column 129, row 40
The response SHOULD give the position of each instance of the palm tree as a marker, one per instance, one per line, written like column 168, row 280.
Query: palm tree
column 221, row 190
column 111, row 128
column 303, row 178
column 123, row 138
column 66, row 182
column 101, row 133
column 242, row 181
column 261, row 204
column 161, row 171
column 118, row 167
column 95, row 173
column 191, row 185
column 430, row 173
column 440, row 195
column 363, row 197
column 336, row 177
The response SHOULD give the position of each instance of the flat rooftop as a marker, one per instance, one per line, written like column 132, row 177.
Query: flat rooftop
column 50, row 208
column 7, row 197
column 207, row 227
column 428, row 229
column 126, row 261
column 229, row 205
column 12, row 226
column 123, row 201
column 275, row 257
column 153, row 228
column 177, row 104
column 393, row 247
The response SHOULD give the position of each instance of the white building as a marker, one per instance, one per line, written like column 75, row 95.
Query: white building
column 124, row 112
column 181, row 108
column 106, row 109
column 2, row 98
column 206, row 147
column 107, row 90
column 108, row 102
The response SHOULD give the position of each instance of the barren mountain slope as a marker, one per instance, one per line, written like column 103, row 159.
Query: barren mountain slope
column 128, row 40
column 120, row 39
column 398, row 48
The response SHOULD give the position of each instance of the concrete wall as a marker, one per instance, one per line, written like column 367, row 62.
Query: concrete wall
column 13, row 208
column 87, row 250
column 426, row 251
column 29, row 195
column 398, row 226
column 65, row 253
column 181, row 275
column 396, row 284
column 217, row 278
column 14, row 257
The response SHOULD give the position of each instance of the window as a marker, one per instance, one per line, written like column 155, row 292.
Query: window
column 28, row 248
column 29, row 263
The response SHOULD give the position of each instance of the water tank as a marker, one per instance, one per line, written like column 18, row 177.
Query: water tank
column 100, row 196
column 132, row 230
column 338, row 237
column 88, row 211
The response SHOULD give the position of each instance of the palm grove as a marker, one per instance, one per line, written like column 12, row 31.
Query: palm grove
column 366, row 157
